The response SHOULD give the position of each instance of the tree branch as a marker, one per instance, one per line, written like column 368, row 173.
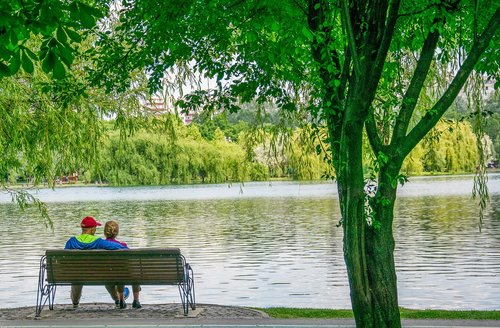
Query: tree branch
column 377, row 46
column 344, row 76
column 387, row 36
column 433, row 115
column 346, row 18
column 412, row 93
column 388, row 32
column 319, row 11
column 372, row 132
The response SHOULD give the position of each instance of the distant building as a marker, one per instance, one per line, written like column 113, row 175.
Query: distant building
column 158, row 105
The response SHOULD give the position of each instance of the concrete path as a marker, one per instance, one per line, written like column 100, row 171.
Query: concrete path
column 94, row 315
column 242, row 323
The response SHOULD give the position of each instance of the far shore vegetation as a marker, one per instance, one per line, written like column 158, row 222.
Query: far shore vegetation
column 296, row 313
column 244, row 147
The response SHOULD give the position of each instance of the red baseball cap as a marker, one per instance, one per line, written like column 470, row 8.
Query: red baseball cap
column 89, row 222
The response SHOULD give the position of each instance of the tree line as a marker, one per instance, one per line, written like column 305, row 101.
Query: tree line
column 207, row 154
column 227, row 147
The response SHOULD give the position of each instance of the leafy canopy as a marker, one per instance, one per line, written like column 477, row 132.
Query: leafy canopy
column 58, row 26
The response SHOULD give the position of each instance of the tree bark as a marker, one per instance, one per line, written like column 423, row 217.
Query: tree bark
column 351, row 191
column 368, row 249
column 380, row 251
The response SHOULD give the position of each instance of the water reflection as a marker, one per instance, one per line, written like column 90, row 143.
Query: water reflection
column 442, row 258
column 271, row 250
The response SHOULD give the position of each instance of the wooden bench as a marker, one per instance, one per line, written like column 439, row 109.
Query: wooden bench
column 146, row 266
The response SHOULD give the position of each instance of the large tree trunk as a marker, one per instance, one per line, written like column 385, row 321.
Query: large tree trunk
column 369, row 257
column 368, row 248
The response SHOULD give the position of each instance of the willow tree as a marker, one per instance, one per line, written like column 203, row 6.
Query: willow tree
column 50, row 121
column 45, row 128
column 334, row 60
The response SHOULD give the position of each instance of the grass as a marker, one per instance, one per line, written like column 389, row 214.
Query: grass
column 295, row 313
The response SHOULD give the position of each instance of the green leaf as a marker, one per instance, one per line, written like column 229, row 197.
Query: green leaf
column 87, row 15
column 65, row 54
column 251, row 36
column 15, row 63
column 90, row 10
column 307, row 33
column 27, row 63
column 49, row 61
column 30, row 54
column 86, row 20
column 61, row 35
column 13, row 37
column 5, row 53
column 52, row 42
column 59, row 70
column 74, row 35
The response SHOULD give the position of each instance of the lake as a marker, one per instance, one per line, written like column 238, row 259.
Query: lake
column 269, row 244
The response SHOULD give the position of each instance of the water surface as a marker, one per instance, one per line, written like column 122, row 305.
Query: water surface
column 263, row 244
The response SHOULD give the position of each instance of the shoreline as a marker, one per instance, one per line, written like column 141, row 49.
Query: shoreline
column 27, row 186
column 148, row 311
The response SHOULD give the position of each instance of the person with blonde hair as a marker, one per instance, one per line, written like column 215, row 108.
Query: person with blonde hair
column 111, row 230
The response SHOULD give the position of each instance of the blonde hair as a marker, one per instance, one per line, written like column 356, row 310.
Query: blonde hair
column 111, row 229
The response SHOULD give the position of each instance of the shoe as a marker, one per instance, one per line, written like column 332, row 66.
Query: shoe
column 126, row 293
column 117, row 304
column 75, row 305
column 136, row 304
column 123, row 305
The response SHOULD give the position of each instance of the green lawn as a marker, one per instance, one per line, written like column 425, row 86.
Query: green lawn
column 290, row 313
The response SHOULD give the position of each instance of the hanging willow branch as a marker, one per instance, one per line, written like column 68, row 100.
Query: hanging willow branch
column 475, row 105
column 24, row 199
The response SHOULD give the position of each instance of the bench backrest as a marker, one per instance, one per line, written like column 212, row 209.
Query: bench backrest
column 158, row 266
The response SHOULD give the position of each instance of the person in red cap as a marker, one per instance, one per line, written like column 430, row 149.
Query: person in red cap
column 88, row 240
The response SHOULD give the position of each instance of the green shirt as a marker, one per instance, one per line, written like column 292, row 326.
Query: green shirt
column 86, row 238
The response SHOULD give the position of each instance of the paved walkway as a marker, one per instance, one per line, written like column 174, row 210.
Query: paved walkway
column 170, row 315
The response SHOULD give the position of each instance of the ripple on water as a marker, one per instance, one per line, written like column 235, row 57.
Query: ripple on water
column 272, row 251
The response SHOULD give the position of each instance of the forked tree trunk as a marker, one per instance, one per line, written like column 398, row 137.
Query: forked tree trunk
column 368, row 251
column 369, row 257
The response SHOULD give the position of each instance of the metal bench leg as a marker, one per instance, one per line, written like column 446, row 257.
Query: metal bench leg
column 184, row 297
column 190, row 288
column 186, row 290
column 46, row 292
column 52, row 295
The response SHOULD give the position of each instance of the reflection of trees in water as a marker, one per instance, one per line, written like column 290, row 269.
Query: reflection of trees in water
column 440, row 235
column 437, row 216
column 241, row 225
